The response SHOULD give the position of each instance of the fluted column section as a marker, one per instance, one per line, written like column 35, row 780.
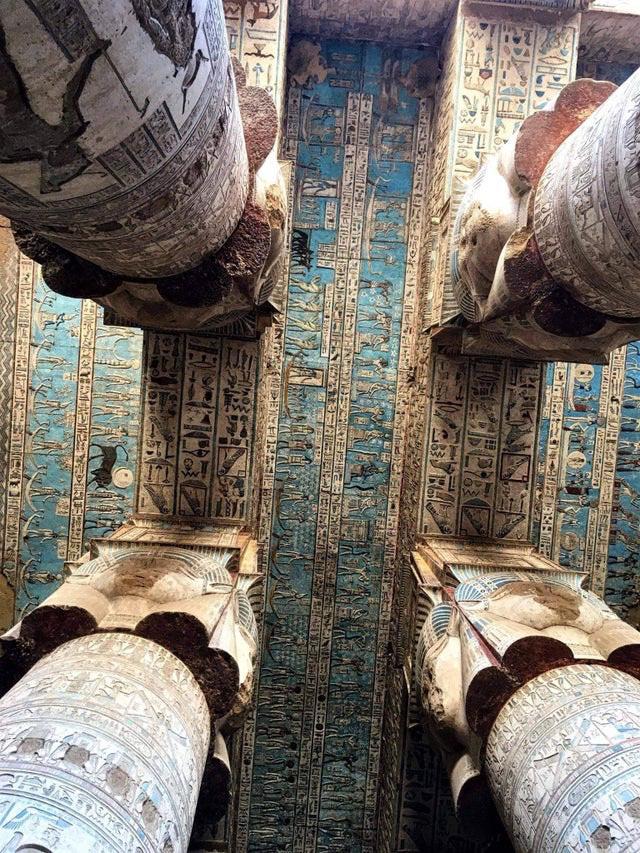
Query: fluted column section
column 102, row 748
column 563, row 761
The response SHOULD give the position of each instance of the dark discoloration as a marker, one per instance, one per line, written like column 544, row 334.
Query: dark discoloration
column 259, row 122
column 171, row 26
column 25, row 136
column 240, row 260
column 601, row 838
column 246, row 251
column 543, row 132
column 530, row 656
column 215, row 792
column 186, row 637
column 560, row 314
column 108, row 455
column 486, row 695
column 32, row 245
column 208, row 284
column 64, row 272
column 72, row 276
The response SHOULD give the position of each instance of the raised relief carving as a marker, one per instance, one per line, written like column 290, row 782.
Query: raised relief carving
column 178, row 602
column 193, row 601
column 545, row 256
column 102, row 747
column 152, row 128
column 503, row 627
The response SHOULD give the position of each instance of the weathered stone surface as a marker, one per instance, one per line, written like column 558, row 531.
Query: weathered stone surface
column 586, row 208
column 563, row 761
column 149, row 170
column 516, row 289
column 102, row 747
column 115, row 133
column 183, row 600
column 500, row 621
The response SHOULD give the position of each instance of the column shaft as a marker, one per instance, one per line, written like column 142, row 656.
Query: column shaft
column 563, row 761
column 587, row 207
column 121, row 138
column 102, row 748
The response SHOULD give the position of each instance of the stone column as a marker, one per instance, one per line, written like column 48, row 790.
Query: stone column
column 121, row 134
column 546, row 245
column 531, row 689
column 563, row 761
column 102, row 748
column 587, row 220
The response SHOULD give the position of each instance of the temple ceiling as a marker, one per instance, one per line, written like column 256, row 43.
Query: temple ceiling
column 607, row 28
column 402, row 21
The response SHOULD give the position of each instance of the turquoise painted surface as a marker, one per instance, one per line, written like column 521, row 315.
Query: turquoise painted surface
column 317, row 726
column 50, row 438
column 623, row 574
column 48, row 446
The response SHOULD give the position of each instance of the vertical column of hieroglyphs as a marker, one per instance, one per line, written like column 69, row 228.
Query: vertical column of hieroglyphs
column 234, row 447
column 604, row 470
column 503, row 71
column 258, row 39
column 163, row 365
column 352, row 126
column 325, row 562
column 9, row 263
column 17, row 431
column 196, row 447
column 115, row 423
column 379, row 762
column 549, row 518
column 443, row 442
column 82, row 430
column 513, row 504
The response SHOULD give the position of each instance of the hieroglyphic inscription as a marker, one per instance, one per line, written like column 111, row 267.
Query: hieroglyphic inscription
column 19, row 414
column 161, row 401
column 562, row 760
column 198, row 422
column 82, row 430
column 479, row 468
column 155, row 126
column 333, row 518
column 234, row 432
column 78, row 749
column 382, row 682
column 496, row 73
